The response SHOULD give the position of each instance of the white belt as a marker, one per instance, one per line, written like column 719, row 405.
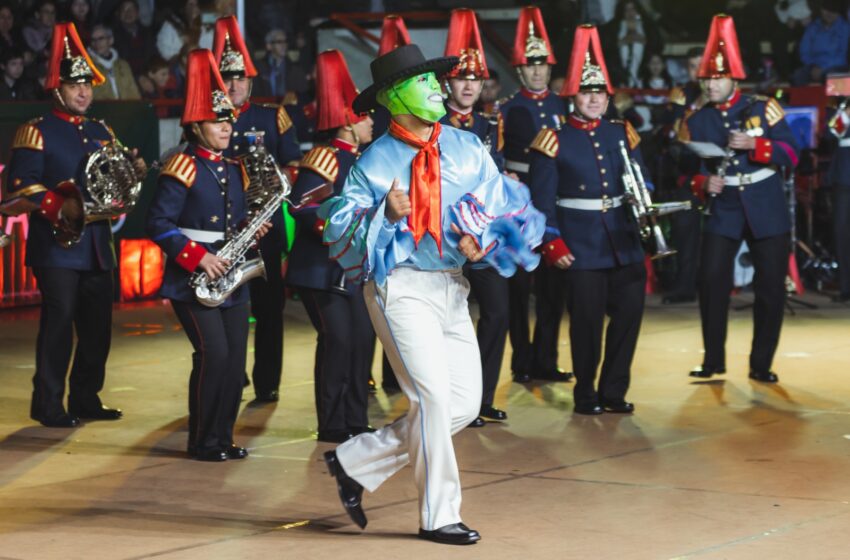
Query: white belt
column 749, row 178
column 591, row 203
column 517, row 166
column 844, row 142
column 203, row 236
column 305, row 146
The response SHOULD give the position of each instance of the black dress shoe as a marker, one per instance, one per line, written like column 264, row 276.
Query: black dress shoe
column 704, row 372
column 373, row 387
column 350, row 491
column 213, row 455
column 334, row 436
column 456, row 533
column 233, row 451
column 493, row 413
column 673, row 299
column 362, row 430
column 557, row 375
column 764, row 376
column 589, row 409
column 521, row 377
column 477, row 423
column 619, row 407
column 268, row 396
column 102, row 413
column 61, row 421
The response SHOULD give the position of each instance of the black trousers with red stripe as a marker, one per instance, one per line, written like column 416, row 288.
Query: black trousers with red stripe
column 344, row 350
column 219, row 337
column 71, row 300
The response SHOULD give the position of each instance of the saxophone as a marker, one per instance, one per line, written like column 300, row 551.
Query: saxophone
column 213, row 293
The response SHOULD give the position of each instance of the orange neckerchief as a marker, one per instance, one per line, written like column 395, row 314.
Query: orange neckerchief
column 425, row 189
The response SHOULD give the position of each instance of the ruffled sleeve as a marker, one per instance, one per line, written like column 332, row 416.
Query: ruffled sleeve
column 499, row 215
column 359, row 235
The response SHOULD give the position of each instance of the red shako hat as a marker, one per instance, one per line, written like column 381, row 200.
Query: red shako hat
column 587, row 70
column 230, row 50
column 531, row 43
column 69, row 61
column 393, row 34
column 722, row 55
column 335, row 92
column 464, row 42
column 206, row 96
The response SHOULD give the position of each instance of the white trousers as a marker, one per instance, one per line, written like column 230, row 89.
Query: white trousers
column 422, row 319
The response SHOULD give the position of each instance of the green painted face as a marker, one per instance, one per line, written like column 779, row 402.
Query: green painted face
column 419, row 96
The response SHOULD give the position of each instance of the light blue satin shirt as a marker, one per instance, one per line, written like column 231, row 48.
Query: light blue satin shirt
column 492, row 208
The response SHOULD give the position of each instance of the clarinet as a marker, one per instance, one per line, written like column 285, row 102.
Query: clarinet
column 727, row 159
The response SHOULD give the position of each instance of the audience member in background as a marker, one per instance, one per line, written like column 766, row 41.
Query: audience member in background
column 824, row 45
column 789, row 20
column 490, row 93
column 133, row 40
column 10, row 34
column 631, row 40
column 654, row 75
column 272, row 67
column 301, row 61
column 14, row 86
column 157, row 83
column 182, row 26
column 38, row 32
column 80, row 13
column 120, row 83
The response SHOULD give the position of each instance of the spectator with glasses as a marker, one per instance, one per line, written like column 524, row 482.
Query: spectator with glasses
column 120, row 83
column 272, row 67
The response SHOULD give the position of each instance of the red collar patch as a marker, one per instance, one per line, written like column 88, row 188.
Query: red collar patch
column 68, row 117
column 207, row 154
column 736, row 96
column 534, row 95
column 344, row 146
column 581, row 124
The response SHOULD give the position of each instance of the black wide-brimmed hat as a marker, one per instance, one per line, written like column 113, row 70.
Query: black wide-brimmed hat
column 403, row 62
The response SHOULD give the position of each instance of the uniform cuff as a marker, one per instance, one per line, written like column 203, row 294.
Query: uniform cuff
column 553, row 250
column 319, row 227
column 51, row 204
column 762, row 152
column 697, row 186
column 190, row 256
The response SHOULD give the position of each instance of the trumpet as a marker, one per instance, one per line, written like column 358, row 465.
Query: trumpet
column 644, row 211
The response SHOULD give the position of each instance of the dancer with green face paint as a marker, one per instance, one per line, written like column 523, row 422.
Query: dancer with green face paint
column 420, row 202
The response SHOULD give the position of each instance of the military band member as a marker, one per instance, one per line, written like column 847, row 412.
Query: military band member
column 463, row 85
column 746, row 201
column 271, row 126
column 531, row 109
column 346, row 341
column 46, row 174
column 576, row 180
column 198, row 206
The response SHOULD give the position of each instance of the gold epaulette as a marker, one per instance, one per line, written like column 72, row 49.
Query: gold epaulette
column 546, row 142
column 500, row 132
column 773, row 111
column 246, row 179
column 182, row 167
column 321, row 160
column 683, row 133
column 677, row 96
column 631, row 134
column 291, row 98
column 284, row 123
column 28, row 136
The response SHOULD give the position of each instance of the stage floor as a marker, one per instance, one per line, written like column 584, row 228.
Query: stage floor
column 715, row 469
